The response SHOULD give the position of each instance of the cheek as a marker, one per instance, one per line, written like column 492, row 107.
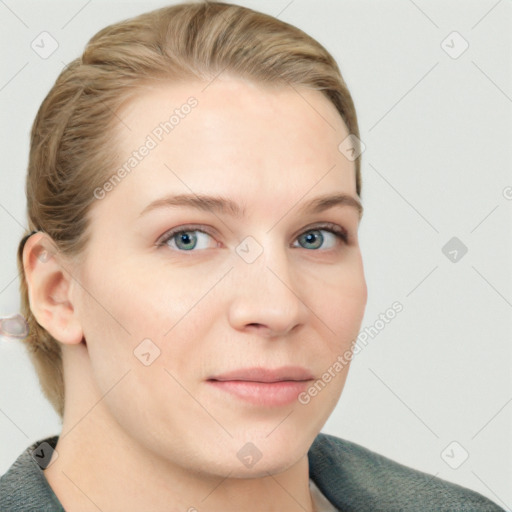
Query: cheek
column 123, row 306
column 341, row 303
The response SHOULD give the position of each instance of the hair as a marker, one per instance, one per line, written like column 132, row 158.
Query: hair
column 71, row 151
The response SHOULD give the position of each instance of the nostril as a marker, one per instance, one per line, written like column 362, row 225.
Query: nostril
column 256, row 326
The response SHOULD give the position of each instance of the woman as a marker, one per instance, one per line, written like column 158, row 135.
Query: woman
column 192, row 277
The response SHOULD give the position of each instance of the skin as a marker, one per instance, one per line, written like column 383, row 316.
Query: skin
column 159, row 437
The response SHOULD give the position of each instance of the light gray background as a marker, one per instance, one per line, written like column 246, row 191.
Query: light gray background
column 437, row 164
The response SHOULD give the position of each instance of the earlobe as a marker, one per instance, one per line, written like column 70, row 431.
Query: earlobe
column 49, row 289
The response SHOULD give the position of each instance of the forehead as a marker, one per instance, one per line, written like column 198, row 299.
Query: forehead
column 230, row 137
column 246, row 112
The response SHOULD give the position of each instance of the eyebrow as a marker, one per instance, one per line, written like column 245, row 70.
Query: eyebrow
column 226, row 206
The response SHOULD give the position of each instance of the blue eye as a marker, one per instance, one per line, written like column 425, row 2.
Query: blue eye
column 187, row 239
column 315, row 237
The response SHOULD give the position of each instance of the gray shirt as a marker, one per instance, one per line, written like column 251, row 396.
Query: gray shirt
column 351, row 477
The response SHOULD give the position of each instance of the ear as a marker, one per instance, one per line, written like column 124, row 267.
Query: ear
column 49, row 289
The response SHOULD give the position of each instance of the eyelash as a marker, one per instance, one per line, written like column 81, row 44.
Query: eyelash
column 336, row 230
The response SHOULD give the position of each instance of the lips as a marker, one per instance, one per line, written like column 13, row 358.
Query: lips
column 263, row 387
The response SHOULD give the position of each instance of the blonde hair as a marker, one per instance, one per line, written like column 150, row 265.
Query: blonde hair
column 71, row 150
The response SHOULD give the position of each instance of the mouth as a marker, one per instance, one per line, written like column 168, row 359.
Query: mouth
column 267, row 375
column 264, row 386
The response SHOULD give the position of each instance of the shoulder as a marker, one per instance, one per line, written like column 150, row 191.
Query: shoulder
column 24, row 487
column 354, row 478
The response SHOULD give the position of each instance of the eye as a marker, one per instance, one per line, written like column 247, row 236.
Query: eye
column 186, row 239
column 315, row 237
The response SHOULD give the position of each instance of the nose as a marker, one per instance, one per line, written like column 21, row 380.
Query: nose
column 267, row 299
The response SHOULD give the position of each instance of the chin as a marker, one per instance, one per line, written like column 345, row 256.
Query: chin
column 272, row 453
column 269, row 464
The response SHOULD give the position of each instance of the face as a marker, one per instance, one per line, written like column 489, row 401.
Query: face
column 222, row 315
